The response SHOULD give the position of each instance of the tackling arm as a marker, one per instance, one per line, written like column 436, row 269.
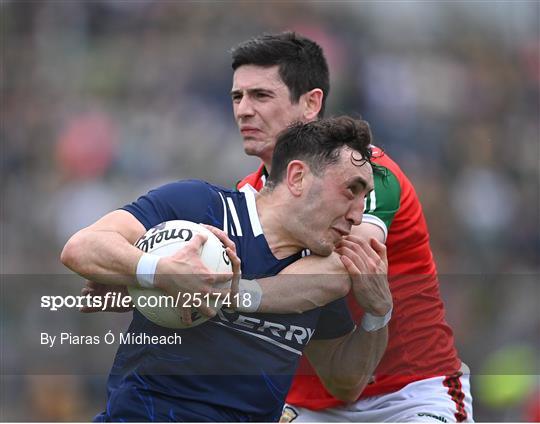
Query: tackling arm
column 306, row 284
column 312, row 281
column 346, row 364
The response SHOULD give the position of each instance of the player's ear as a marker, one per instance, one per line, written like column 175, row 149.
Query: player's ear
column 312, row 103
column 296, row 174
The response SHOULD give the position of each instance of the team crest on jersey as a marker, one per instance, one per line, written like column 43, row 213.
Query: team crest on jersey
column 288, row 415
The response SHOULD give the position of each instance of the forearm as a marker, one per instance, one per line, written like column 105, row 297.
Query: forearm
column 351, row 365
column 355, row 364
column 306, row 284
column 102, row 256
column 285, row 294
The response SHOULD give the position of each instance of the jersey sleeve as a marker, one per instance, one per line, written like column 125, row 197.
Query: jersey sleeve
column 334, row 321
column 189, row 200
column 383, row 202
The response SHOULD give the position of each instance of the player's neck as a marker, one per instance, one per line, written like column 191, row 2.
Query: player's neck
column 272, row 212
column 267, row 166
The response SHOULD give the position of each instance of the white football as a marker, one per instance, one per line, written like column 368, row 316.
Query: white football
column 166, row 239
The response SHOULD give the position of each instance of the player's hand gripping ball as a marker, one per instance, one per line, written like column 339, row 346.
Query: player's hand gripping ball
column 166, row 239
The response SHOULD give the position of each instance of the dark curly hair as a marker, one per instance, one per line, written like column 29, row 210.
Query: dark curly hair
column 319, row 144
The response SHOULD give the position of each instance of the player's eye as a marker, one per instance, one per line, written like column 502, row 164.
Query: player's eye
column 236, row 98
column 354, row 189
column 350, row 192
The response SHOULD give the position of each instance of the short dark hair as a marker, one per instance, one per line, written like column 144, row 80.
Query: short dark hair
column 319, row 144
column 301, row 61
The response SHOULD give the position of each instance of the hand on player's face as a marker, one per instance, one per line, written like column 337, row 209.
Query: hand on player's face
column 367, row 265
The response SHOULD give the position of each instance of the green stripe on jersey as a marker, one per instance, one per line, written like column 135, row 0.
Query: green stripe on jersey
column 383, row 202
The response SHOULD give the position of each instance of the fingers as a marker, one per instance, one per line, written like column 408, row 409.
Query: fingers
column 92, row 284
column 89, row 289
column 378, row 247
column 203, row 309
column 372, row 249
column 207, row 311
column 185, row 313
column 94, row 289
column 349, row 265
column 222, row 236
column 219, row 292
column 235, row 260
column 365, row 261
column 358, row 259
column 358, row 244
column 236, row 269
column 196, row 243
column 219, row 278
column 360, row 250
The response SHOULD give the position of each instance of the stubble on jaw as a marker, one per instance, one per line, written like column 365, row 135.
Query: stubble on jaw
column 322, row 247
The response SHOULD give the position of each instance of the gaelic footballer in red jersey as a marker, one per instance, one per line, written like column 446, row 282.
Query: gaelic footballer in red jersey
column 421, row 343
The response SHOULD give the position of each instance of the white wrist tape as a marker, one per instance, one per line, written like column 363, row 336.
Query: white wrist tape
column 146, row 270
column 249, row 296
column 372, row 323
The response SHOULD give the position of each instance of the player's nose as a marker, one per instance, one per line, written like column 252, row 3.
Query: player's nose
column 355, row 213
column 244, row 107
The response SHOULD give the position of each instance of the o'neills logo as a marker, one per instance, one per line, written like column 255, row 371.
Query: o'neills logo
column 147, row 242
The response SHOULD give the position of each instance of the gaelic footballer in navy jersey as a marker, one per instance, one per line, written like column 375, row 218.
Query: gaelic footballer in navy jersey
column 237, row 366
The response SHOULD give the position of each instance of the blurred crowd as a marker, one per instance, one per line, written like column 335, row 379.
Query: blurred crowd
column 103, row 100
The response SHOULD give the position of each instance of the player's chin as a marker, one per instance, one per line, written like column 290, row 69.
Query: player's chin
column 251, row 141
column 251, row 148
column 323, row 248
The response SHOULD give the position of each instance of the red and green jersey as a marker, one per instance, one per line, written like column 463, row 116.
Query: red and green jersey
column 421, row 344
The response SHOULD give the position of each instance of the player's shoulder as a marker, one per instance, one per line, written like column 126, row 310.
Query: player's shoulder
column 197, row 191
column 256, row 179
column 195, row 186
column 226, row 192
column 215, row 194
column 388, row 166
column 381, row 158
column 392, row 183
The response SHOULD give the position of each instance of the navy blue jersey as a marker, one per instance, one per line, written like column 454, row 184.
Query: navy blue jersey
column 234, row 367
